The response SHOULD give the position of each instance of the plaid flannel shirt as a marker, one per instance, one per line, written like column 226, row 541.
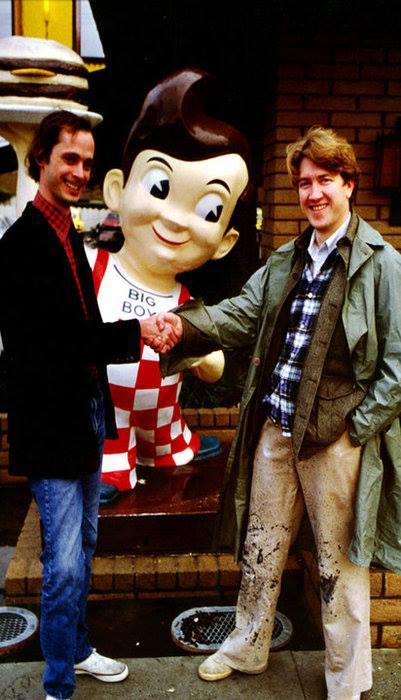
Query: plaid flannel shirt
column 61, row 223
column 286, row 376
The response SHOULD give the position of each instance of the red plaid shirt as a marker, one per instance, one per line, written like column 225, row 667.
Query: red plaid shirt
column 61, row 222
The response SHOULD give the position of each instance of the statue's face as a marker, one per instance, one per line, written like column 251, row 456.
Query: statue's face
column 174, row 213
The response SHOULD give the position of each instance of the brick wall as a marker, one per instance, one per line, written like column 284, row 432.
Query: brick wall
column 356, row 91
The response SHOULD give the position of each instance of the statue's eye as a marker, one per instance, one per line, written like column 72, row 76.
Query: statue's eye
column 156, row 182
column 210, row 207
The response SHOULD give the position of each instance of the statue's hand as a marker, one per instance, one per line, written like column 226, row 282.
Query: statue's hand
column 210, row 367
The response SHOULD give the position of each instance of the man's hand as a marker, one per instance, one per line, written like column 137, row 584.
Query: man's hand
column 162, row 331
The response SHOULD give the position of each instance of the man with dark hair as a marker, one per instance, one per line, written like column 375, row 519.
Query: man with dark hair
column 319, row 417
column 56, row 349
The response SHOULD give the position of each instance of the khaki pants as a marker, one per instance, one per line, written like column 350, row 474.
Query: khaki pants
column 326, row 483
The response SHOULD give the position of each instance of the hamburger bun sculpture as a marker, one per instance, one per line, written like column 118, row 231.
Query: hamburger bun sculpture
column 37, row 76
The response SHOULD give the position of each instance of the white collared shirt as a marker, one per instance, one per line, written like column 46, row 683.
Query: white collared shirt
column 320, row 253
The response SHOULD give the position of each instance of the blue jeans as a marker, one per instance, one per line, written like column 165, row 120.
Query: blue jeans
column 68, row 511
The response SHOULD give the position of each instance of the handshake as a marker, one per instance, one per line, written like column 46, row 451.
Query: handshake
column 161, row 331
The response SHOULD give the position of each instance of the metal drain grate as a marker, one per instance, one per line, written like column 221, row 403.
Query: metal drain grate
column 203, row 630
column 16, row 627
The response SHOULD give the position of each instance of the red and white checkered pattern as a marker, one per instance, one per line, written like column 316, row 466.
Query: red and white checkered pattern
column 151, row 428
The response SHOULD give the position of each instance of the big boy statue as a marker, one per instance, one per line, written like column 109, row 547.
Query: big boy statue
column 182, row 175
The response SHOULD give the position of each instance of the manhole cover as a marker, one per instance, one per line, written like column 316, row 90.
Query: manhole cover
column 203, row 630
column 16, row 627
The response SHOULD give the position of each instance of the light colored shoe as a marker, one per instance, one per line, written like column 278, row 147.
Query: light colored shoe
column 212, row 669
column 50, row 697
column 102, row 668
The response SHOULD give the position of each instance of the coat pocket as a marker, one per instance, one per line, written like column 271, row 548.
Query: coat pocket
column 335, row 399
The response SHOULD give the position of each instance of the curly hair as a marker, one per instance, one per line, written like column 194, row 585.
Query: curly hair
column 327, row 149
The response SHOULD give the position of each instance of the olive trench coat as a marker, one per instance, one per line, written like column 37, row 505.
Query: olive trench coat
column 371, row 316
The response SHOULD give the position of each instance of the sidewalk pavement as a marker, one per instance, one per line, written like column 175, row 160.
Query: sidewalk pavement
column 290, row 676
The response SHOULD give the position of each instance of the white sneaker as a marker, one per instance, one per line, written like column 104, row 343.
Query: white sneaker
column 102, row 668
column 50, row 697
column 212, row 669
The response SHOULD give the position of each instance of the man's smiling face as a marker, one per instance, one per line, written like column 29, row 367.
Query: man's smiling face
column 174, row 213
column 66, row 173
column 323, row 197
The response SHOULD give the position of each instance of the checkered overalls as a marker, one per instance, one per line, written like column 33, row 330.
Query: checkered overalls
column 152, row 431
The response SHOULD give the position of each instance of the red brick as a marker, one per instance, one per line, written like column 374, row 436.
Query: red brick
column 15, row 584
column 188, row 571
column 331, row 103
column 304, row 87
column 363, row 55
column 278, row 180
column 191, row 416
column 222, row 417
column 206, row 417
column 369, row 197
column 391, row 636
column 289, row 229
column 303, row 118
column 166, row 573
column 277, row 241
column 394, row 87
column 359, row 87
column 367, row 212
column 279, row 149
column 392, row 584
column 230, row 571
column 374, row 635
column 391, row 120
column 182, row 593
column 102, row 573
column 145, row 573
column 381, row 72
column 376, row 584
column 332, row 70
column 356, row 119
column 380, row 104
column 278, row 196
column 208, row 571
column 123, row 573
column 367, row 135
column 286, row 212
column 34, row 577
column 284, row 102
column 275, row 165
column 390, row 233
column 385, row 610
column 287, row 134
column 384, row 213
column 367, row 181
column 367, row 166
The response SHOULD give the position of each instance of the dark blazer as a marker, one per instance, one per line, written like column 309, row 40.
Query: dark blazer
column 50, row 348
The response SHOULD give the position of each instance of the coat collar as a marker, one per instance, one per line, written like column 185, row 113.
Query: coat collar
column 363, row 238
